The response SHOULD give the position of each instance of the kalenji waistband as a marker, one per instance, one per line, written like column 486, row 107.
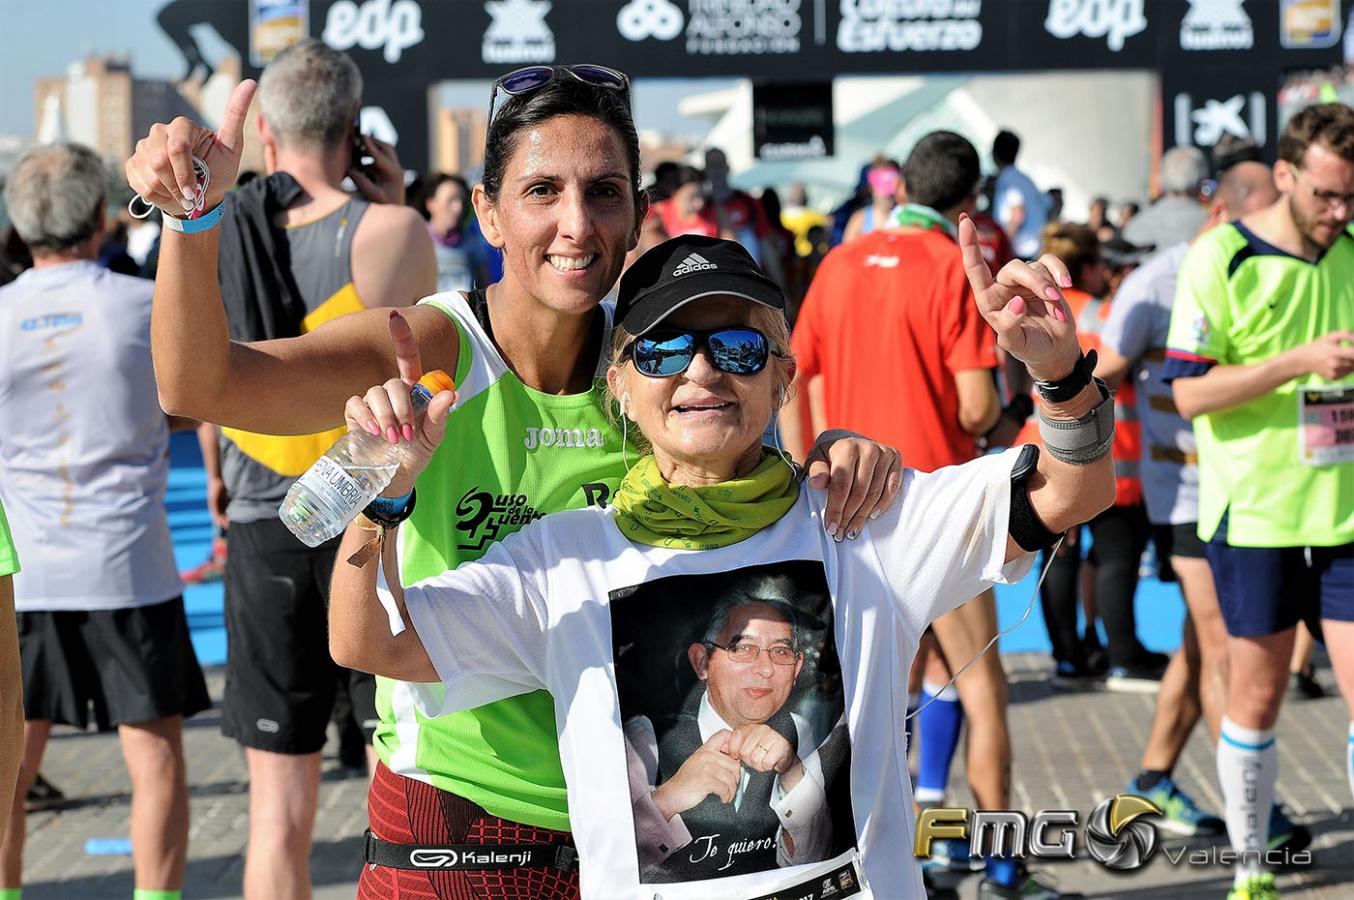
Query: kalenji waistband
column 463, row 857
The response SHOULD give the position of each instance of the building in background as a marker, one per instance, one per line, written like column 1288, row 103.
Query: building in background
column 101, row 104
column 1072, row 138
column 458, row 141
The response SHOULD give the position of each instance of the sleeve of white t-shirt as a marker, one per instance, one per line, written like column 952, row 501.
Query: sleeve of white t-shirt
column 1130, row 326
column 483, row 624
column 945, row 541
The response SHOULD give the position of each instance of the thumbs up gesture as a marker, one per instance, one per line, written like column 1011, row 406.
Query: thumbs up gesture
column 161, row 169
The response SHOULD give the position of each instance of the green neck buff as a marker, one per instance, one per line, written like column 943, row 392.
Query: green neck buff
column 914, row 215
column 651, row 511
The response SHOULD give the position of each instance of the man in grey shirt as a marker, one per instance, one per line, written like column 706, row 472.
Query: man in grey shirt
column 1177, row 215
column 83, row 468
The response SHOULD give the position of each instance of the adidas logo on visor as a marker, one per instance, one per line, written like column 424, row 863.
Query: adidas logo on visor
column 693, row 263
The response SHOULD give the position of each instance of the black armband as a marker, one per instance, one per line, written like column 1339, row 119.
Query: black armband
column 1024, row 525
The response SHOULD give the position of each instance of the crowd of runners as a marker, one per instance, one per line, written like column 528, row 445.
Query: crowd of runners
column 703, row 543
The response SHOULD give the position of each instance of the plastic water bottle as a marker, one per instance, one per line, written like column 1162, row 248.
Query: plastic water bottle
column 350, row 474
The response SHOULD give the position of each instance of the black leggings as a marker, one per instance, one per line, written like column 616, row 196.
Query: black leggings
column 1119, row 536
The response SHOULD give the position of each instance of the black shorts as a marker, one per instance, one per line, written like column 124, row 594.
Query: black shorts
column 280, row 679
column 123, row 665
column 1176, row 540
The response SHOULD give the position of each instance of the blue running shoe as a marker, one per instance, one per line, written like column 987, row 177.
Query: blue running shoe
column 1284, row 835
column 1180, row 815
column 949, row 862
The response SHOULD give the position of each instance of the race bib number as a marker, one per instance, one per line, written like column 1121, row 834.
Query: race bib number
column 1326, row 425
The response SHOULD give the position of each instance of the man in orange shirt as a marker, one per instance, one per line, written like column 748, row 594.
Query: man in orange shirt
column 890, row 344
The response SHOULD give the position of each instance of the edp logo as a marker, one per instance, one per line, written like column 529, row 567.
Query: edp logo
column 1114, row 20
column 395, row 25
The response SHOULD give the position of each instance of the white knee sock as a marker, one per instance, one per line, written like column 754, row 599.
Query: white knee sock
column 1349, row 758
column 1248, row 766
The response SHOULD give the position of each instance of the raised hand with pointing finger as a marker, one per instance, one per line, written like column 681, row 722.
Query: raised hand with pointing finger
column 161, row 168
column 1025, row 307
column 385, row 410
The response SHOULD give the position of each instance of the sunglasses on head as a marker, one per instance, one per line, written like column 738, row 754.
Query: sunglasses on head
column 735, row 350
column 533, row 78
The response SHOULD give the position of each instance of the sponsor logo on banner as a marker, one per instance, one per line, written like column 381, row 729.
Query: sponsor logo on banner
column 392, row 25
column 737, row 27
column 518, row 32
column 274, row 25
column 716, row 27
column 873, row 26
column 1242, row 115
column 642, row 19
column 1216, row 25
column 814, row 148
column 1309, row 23
column 1114, row 20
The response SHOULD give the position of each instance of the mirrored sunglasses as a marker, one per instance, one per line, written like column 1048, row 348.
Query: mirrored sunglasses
column 737, row 350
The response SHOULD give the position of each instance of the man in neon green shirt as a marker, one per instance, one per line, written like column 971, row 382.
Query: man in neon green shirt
column 11, row 684
column 1260, row 358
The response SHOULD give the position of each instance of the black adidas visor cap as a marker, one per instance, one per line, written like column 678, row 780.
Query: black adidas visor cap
column 687, row 268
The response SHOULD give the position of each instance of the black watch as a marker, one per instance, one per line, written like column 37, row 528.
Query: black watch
column 1070, row 385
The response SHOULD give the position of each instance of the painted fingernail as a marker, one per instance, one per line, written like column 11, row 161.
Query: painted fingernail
column 374, row 428
column 832, row 528
column 852, row 533
column 189, row 196
column 1051, row 293
column 1065, row 280
column 188, row 205
column 1017, row 306
column 392, row 435
column 1059, row 314
column 408, row 432
column 875, row 514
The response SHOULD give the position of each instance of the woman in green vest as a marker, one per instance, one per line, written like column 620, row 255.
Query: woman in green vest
column 560, row 199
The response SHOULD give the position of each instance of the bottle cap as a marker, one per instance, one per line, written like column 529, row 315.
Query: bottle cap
column 437, row 381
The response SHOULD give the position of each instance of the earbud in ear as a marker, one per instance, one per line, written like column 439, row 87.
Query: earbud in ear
column 780, row 397
column 625, row 404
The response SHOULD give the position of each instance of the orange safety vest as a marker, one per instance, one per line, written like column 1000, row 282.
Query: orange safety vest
column 1091, row 314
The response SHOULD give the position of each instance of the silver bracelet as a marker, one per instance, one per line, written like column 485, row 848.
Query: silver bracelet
column 1080, row 442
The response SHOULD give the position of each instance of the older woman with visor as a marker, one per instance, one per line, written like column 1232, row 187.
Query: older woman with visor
column 727, row 677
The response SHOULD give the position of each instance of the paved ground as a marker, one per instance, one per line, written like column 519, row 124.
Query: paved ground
column 1072, row 751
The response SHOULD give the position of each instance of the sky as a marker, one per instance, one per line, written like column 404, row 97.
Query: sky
column 41, row 38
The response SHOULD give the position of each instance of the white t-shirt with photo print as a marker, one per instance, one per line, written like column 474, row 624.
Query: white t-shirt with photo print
column 535, row 612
